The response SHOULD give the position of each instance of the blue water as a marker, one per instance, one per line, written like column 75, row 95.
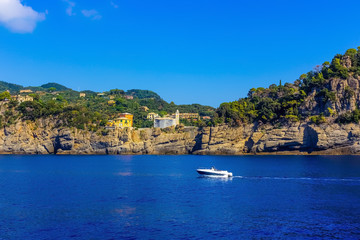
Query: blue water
column 162, row 197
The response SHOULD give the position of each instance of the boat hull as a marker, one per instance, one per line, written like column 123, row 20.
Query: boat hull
column 214, row 173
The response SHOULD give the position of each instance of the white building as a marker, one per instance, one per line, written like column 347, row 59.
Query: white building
column 167, row 121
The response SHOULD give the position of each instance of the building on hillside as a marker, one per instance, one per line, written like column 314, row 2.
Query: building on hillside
column 111, row 102
column 152, row 116
column 21, row 99
column 26, row 91
column 111, row 97
column 127, row 115
column 101, row 94
column 189, row 116
column 82, row 94
column 124, row 120
column 167, row 121
column 144, row 108
column 206, row 117
column 129, row 97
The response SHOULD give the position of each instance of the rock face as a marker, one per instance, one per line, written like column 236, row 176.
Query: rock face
column 347, row 95
column 297, row 138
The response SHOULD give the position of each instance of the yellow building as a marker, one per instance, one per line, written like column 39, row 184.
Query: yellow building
column 111, row 102
column 124, row 120
column 26, row 91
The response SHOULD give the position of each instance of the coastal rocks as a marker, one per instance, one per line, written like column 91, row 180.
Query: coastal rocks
column 42, row 137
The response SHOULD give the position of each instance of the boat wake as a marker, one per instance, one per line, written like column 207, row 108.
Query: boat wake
column 302, row 178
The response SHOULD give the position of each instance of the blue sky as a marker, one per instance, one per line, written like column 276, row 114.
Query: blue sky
column 188, row 51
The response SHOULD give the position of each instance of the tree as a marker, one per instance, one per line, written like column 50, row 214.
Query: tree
column 117, row 92
column 303, row 76
column 326, row 64
column 5, row 95
column 36, row 97
column 351, row 52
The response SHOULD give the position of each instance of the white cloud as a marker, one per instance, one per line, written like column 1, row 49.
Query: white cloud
column 114, row 4
column 70, row 8
column 93, row 14
column 18, row 17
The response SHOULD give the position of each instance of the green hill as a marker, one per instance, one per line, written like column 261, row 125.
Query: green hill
column 57, row 86
column 142, row 94
column 10, row 86
column 93, row 110
column 330, row 92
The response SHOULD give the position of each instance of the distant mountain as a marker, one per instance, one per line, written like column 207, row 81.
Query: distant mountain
column 10, row 86
column 143, row 94
column 58, row 87
column 14, row 88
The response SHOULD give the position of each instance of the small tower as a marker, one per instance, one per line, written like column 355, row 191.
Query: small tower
column 177, row 117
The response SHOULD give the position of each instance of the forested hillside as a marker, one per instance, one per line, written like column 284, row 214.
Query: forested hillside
column 328, row 93
column 91, row 110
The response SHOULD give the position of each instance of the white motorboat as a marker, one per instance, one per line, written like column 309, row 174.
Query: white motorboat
column 213, row 172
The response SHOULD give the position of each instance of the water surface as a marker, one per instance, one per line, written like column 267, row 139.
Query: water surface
column 162, row 197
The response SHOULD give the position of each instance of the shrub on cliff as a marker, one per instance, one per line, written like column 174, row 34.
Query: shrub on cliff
column 349, row 117
column 318, row 119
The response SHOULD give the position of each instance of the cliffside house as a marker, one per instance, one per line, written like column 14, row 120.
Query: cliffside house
column 82, row 94
column 129, row 97
column 124, row 120
column 167, row 121
column 26, row 91
column 189, row 116
column 21, row 98
column 111, row 102
column 206, row 117
column 101, row 94
column 152, row 116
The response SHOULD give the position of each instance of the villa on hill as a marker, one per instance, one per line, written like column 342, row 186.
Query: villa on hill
column 21, row 98
column 189, row 116
column 124, row 120
column 165, row 122
column 129, row 97
column 26, row 91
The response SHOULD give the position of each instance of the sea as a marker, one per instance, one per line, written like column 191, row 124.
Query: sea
column 163, row 197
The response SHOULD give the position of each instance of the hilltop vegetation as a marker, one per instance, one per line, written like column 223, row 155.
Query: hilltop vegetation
column 330, row 92
column 91, row 111
column 4, row 86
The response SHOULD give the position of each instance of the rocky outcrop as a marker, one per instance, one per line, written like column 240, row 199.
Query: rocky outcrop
column 298, row 138
column 346, row 94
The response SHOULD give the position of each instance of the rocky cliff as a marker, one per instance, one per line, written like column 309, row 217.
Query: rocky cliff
column 41, row 137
